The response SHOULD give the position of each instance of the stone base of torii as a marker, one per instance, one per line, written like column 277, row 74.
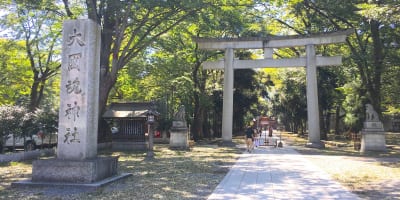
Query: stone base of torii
column 268, row 44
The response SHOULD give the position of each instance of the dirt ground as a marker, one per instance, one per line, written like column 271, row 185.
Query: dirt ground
column 172, row 174
column 194, row 174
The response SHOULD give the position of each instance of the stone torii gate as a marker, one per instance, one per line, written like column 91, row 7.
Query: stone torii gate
column 311, row 61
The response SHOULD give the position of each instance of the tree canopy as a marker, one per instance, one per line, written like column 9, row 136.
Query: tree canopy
column 147, row 54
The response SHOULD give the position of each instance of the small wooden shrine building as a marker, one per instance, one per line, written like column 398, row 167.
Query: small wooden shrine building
column 128, row 123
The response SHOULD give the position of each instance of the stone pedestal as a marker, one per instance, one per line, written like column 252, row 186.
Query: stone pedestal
column 316, row 144
column 164, row 135
column 372, row 134
column 179, row 138
column 70, row 171
column 373, row 137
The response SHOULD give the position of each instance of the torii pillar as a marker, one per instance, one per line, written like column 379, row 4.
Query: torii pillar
column 311, row 61
column 227, row 109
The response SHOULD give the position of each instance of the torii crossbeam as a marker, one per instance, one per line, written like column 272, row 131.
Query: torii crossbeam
column 311, row 61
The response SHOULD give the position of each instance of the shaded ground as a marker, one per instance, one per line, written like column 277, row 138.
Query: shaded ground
column 374, row 175
column 173, row 174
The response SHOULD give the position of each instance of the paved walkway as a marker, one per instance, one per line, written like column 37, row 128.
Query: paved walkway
column 277, row 173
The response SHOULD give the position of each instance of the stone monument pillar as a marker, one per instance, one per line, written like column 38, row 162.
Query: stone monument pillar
column 79, row 92
column 372, row 134
column 179, row 138
column 77, row 161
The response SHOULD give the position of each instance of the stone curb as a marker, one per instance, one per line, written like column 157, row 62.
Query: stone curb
column 27, row 155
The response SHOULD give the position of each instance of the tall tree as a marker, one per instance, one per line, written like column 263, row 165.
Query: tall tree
column 137, row 25
column 128, row 28
column 16, row 74
column 388, row 13
column 373, row 47
column 38, row 24
column 370, row 44
column 177, row 56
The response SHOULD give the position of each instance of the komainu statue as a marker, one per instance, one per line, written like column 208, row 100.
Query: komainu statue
column 180, row 115
column 371, row 114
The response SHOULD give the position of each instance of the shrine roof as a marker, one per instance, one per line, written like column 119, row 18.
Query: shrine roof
column 128, row 110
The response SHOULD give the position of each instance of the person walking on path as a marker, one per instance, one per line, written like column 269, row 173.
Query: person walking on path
column 270, row 131
column 256, row 138
column 249, row 139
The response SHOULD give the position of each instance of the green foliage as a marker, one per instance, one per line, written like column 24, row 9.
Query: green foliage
column 267, row 85
column 46, row 120
column 393, row 111
column 16, row 74
column 170, row 69
column 148, row 54
column 386, row 11
column 291, row 103
column 353, row 105
column 245, row 96
column 17, row 120
column 36, row 27
column 391, row 88
column 371, row 53
column 14, row 119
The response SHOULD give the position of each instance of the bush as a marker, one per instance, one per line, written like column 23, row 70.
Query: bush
column 19, row 121
column 46, row 120
column 15, row 120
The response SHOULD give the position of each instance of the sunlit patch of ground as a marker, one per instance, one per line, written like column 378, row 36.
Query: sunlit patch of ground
column 374, row 175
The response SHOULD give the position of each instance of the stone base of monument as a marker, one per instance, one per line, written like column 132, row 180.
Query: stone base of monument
column 316, row 145
column 119, row 145
column 89, row 173
column 373, row 137
column 225, row 143
column 161, row 140
column 372, row 141
column 179, row 136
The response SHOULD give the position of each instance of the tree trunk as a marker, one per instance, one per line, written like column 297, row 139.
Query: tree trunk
column 108, row 71
column 375, row 82
column 322, row 124
column 199, row 88
column 371, row 73
column 198, row 120
column 36, row 94
column 337, row 120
